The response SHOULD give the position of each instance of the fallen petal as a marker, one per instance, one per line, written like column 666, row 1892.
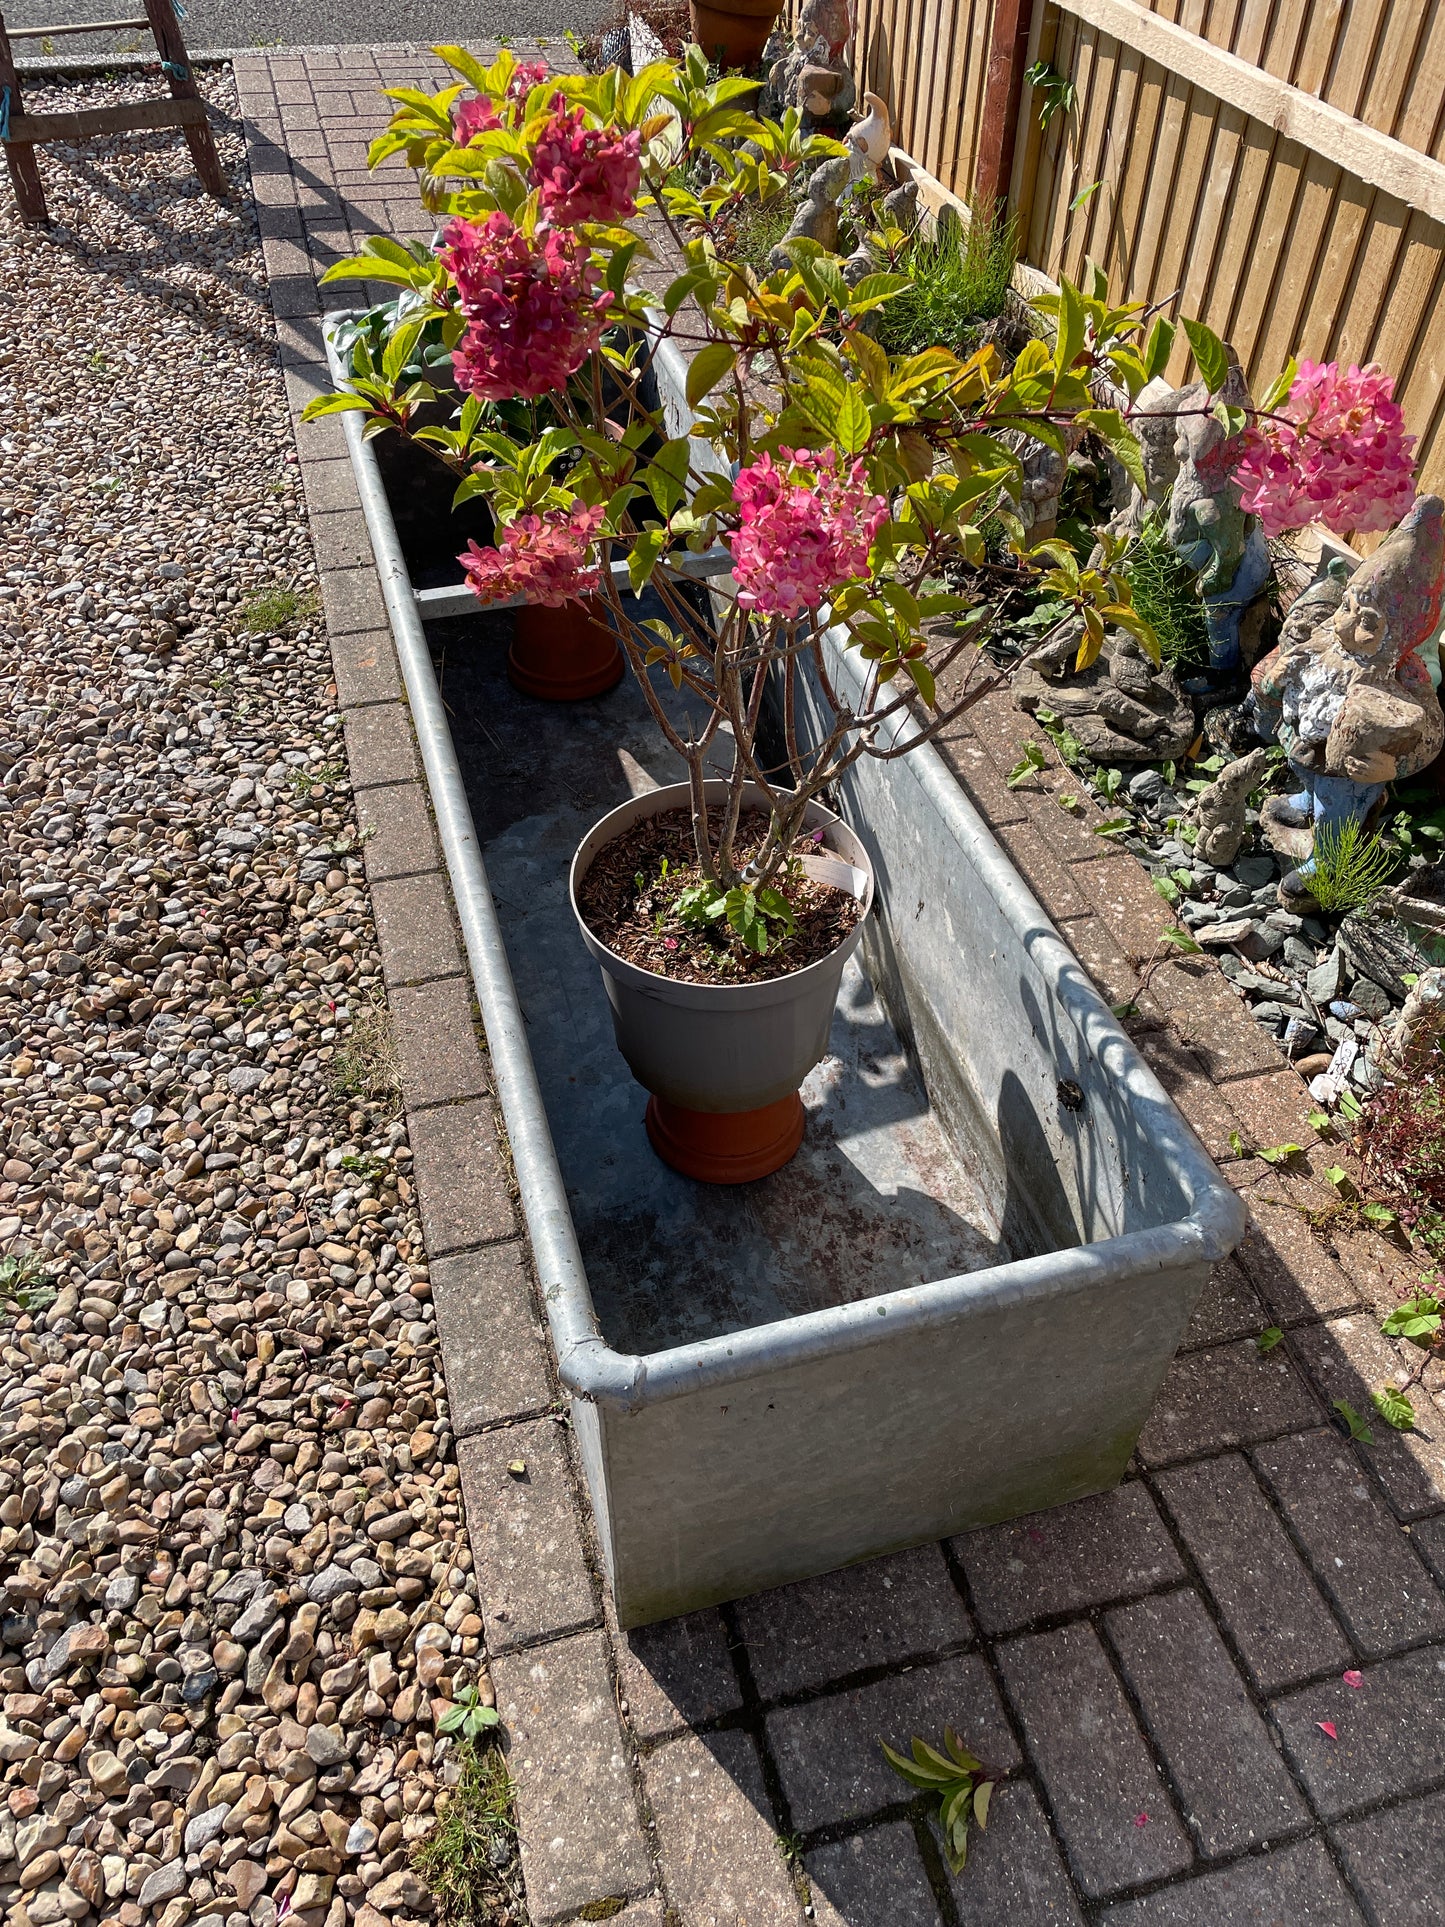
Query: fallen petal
column 1141, row 1819
column 1353, row 1678
column 1327, row 1727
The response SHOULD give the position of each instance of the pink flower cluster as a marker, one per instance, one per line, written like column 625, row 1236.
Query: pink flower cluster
column 584, row 173
column 478, row 115
column 531, row 303
column 1335, row 453
column 541, row 557
column 804, row 529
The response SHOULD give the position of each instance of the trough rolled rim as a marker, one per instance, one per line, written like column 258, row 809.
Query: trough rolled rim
column 588, row 1366
column 680, row 990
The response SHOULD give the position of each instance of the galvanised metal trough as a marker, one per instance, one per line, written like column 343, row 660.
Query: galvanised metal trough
column 956, row 1305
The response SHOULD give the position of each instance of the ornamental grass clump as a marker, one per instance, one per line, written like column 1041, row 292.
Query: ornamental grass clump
column 844, row 481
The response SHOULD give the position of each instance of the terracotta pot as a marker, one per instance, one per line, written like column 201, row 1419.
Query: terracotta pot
column 735, row 35
column 564, row 654
column 723, row 1061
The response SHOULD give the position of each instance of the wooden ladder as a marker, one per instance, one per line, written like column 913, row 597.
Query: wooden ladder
column 22, row 133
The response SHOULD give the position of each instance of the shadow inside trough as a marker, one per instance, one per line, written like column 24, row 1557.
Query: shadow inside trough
column 876, row 1200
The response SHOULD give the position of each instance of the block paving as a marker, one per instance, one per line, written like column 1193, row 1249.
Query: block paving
column 1152, row 1672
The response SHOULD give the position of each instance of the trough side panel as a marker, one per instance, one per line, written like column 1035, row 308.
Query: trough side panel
column 1014, row 1407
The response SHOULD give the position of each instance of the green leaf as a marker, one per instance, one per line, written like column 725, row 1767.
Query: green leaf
column 1117, row 436
column 1280, row 1153
column 1394, row 1408
column 1159, row 348
column 1237, row 1145
column 1181, row 940
column 1418, row 1318
column 1354, row 1424
column 853, row 424
column 1033, row 759
column 982, row 1795
column 642, row 558
column 1167, row 888
column 1115, row 826
column 707, row 368
column 1210, row 354
column 1070, row 339
column 333, row 405
column 1278, row 390
column 1268, row 1339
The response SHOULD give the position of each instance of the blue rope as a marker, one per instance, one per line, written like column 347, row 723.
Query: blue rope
column 4, row 113
column 170, row 67
column 178, row 9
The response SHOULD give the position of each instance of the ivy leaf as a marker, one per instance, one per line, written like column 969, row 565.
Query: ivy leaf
column 1209, row 353
column 1280, row 1153
column 1418, row 1318
column 1032, row 759
column 1394, row 1408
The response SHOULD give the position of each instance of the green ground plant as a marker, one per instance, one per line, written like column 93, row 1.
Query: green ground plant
column 469, row 1859
column 960, row 280
column 1166, row 594
column 1352, row 866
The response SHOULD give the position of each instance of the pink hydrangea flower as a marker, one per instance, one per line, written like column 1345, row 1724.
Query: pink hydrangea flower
column 1335, row 452
column 804, row 529
column 478, row 114
column 526, row 75
column 472, row 117
column 584, row 173
column 542, row 557
column 531, row 304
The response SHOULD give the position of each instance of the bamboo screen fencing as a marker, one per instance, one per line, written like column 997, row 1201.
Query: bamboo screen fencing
column 1169, row 187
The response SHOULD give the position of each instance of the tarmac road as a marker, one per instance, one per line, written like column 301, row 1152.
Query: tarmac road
column 234, row 24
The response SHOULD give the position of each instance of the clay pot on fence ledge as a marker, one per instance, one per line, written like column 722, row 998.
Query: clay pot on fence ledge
column 566, row 654
column 723, row 1061
column 734, row 35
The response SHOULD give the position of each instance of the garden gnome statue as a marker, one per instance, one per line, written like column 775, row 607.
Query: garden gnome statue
column 1352, row 704
column 1208, row 529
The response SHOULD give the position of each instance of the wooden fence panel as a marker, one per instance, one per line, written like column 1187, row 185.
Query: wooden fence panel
column 1277, row 247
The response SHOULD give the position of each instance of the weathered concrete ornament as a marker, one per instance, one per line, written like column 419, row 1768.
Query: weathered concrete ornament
column 1349, row 699
column 813, row 74
column 1219, row 814
column 1208, row 530
column 1122, row 708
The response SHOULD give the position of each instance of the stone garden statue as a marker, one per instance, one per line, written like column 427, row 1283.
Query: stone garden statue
column 1347, row 696
column 1123, row 708
column 812, row 74
column 1219, row 812
column 1208, row 530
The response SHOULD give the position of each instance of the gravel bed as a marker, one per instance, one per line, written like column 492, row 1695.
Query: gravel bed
column 236, row 1589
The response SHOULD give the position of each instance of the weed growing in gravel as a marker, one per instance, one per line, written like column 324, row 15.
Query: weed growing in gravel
column 270, row 611
column 1352, row 867
column 305, row 781
column 365, row 1065
column 25, row 1283
column 469, row 1859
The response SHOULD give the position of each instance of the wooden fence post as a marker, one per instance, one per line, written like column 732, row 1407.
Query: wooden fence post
column 1002, row 99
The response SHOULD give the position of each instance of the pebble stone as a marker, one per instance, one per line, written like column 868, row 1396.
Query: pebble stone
column 227, row 1476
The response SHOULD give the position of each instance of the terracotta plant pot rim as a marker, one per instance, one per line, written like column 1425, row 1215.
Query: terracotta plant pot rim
column 754, row 995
